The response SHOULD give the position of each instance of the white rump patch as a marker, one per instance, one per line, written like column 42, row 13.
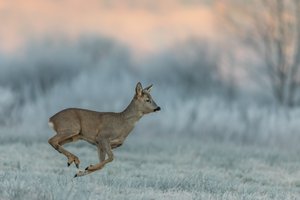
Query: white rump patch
column 51, row 125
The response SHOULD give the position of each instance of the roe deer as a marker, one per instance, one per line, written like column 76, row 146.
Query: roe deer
column 106, row 130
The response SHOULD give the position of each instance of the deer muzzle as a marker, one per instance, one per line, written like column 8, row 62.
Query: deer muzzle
column 157, row 109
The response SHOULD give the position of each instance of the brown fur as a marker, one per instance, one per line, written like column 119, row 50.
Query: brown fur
column 106, row 130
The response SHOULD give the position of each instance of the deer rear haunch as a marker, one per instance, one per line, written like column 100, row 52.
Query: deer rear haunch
column 106, row 130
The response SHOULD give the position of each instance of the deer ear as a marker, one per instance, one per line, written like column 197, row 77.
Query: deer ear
column 148, row 89
column 139, row 89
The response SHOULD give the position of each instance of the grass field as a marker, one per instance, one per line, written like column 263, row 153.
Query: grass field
column 201, row 145
column 152, row 168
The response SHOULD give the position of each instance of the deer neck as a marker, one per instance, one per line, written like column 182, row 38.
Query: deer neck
column 131, row 113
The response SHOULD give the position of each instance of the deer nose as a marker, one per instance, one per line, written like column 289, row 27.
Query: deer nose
column 157, row 109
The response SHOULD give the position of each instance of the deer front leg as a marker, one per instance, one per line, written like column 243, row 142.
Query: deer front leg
column 101, row 154
column 116, row 143
column 113, row 144
column 104, row 145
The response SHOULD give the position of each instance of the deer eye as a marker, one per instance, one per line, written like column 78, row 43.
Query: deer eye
column 148, row 100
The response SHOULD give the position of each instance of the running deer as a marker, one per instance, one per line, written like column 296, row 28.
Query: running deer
column 106, row 130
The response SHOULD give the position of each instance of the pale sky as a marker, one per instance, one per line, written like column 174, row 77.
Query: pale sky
column 144, row 25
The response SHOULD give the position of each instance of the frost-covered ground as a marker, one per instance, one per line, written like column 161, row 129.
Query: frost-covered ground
column 205, row 143
column 195, row 148
column 152, row 168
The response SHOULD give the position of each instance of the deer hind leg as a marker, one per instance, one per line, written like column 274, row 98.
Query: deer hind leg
column 104, row 148
column 63, row 138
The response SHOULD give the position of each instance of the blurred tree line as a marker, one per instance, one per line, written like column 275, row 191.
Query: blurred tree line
column 271, row 29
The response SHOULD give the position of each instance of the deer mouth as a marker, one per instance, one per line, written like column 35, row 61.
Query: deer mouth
column 157, row 109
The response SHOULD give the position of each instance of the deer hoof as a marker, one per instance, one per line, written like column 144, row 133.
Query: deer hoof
column 81, row 173
column 88, row 167
column 77, row 162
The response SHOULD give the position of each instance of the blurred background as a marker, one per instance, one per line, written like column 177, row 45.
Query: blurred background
column 223, row 70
